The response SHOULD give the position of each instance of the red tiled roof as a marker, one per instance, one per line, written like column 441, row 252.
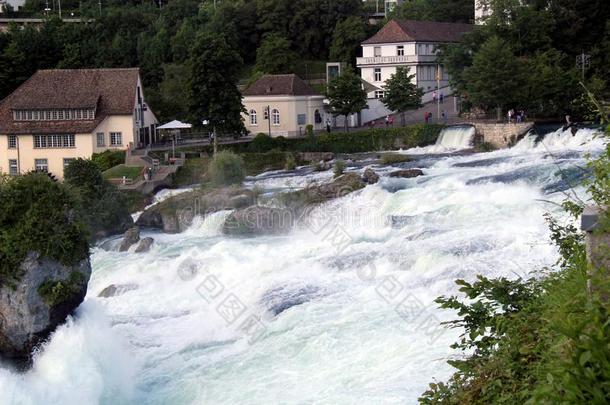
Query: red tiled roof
column 280, row 85
column 110, row 91
column 425, row 31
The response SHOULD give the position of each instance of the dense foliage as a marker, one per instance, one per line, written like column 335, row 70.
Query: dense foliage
column 401, row 93
column 160, row 38
column 524, row 56
column 225, row 169
column 346, row 95
column 103, row 207
column 543, row 340
column 38, row 215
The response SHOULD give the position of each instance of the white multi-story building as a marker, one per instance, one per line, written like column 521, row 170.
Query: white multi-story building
column 412, row 44
column 15, row 4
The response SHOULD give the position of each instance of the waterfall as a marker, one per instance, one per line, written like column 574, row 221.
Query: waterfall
column 456, row 137
column 560, row 139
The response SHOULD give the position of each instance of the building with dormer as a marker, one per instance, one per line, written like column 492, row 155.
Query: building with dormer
column 62, row 114
column 412, row 44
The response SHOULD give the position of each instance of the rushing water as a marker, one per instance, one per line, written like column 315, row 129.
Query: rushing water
column 345, row 302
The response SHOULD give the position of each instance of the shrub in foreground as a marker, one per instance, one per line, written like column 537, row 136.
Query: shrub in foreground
column 226, row 168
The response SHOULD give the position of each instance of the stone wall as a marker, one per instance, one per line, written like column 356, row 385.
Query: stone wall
column 503, row 134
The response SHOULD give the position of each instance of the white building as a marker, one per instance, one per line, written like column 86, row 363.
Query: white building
column 15, row 4
column 481, row 11
column 282, row 105
column 412, row 44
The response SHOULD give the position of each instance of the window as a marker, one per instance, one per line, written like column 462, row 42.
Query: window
column 41, row 165
column 78, row 114
column 377, row 51
column 61, row 114
column 253, row 118
column 13, row 169
column 116, row 139
column 400, row 50
column 29, row 115
column 377, row 74
column 54, row 141
column 301, row 119
column 101, row 141
column 48, row 115
column 378, row 93
column 54, row 114
column 275, row 117
column 35, row 117
column 12, row 141
column 317, row 117
column 67, row 162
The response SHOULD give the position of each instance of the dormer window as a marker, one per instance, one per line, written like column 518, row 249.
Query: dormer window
column 53, row 115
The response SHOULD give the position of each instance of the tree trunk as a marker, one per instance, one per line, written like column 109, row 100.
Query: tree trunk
column 499, row 113
column 346, row 124
column 215, row 141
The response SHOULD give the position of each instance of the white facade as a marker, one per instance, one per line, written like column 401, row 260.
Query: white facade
column 15, row 4
column 481, row 11
column 379, row 62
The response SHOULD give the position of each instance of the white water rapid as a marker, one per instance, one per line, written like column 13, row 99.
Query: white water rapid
column 345, row 304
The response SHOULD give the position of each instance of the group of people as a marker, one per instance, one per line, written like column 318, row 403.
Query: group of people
column 516, row 116
column 389, row 121
column 441, row 97
column 428, row 117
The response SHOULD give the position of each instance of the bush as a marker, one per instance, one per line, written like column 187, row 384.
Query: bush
column 485, row 147
column 255, row 163
column 390, row 158
column 262, row 143
column 105, row 209
column 108, row 159
column 291, row 164
column 226, row 168
column 38, row 215
column 339, row 168
column 192, row 172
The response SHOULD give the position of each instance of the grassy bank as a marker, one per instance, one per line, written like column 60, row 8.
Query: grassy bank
column 369, row 140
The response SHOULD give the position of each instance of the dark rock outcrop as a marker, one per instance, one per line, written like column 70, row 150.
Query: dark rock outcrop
column 369, row 176
column 406, row 173
column 289, row 207
column 144, row 245
column 131, row 237
column 113, row 290
column 258, row 220
column 31, row 309
column 176, row 214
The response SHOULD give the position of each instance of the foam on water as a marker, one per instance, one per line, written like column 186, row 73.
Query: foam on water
column 345, row 301
column 452, row 138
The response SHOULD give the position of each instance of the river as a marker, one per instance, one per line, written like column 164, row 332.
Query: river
column 340, row 311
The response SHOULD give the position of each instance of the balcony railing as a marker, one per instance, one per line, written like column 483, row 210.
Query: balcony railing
column 381, row 60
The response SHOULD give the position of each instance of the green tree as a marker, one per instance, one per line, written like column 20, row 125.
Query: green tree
column 275, row 55
column 437, row 10
column 346, row 95
column 38, row 215
column 214, row 73
column 182, row 42
column 347, row 37
column 401, row 94
column 225, row 169
column 495, row 77
column 103, row 207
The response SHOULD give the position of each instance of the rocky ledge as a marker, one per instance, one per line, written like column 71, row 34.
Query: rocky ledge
column 176, row 214
column 31, row 309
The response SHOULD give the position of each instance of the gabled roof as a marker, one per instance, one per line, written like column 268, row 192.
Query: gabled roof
column 109, row 91
column 280, row 85
column 424, row 31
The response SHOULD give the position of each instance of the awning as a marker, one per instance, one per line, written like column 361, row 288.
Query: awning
column 175, row 124
column 368, row 87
